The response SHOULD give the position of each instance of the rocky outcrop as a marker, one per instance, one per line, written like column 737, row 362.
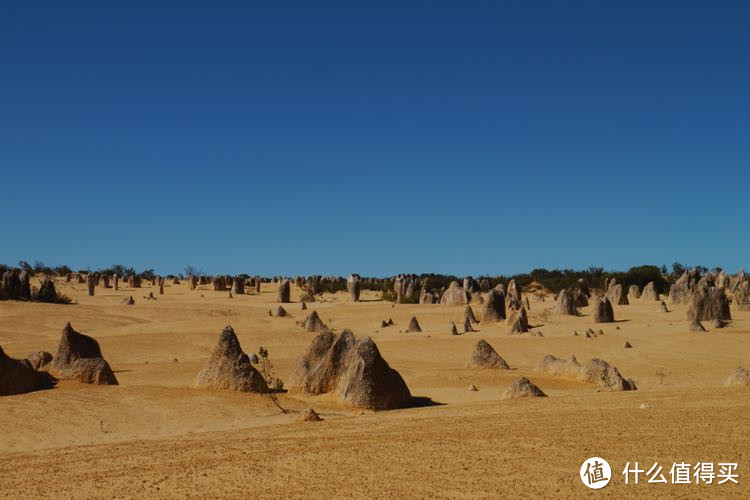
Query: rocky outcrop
column 493, row 308
column 284, row 292
column 454, row 295
column 595, row 371
column 17, row 376
column 229, row 368
column 617, row 295
column 314, row 324
column 649, row 292
column 484, row 356
column 522, row 388
column 351, row 368
column 79, row 358
column 413, row 326
column 603, row 311
column 353, row 287
column 707, row 304
column 565, row 303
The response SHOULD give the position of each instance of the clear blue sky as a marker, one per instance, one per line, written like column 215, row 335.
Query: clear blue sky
column 291, row 138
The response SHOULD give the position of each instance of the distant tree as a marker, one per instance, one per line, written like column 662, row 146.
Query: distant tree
column 62, row 270
column 24, row 265
column 148, row 274
column 677, row 268
column 192, row 271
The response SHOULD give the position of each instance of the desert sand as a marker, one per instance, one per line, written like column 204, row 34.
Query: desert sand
column 154, row 435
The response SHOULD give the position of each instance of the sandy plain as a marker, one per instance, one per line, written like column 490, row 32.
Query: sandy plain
column 154, row 435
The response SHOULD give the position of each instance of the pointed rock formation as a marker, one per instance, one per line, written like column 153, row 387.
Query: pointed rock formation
column 565, row 303
column 229, row 368
column 663, row 307
column 484, row 356
column 634, row 292
column 128, row 301
column 313, row 323
column 649, row 292
column 79, row 358
column 519, row 321
column 603, row 311
column 493, row 308
column 47, row 291
column 513, row 296
column 523, row 388
column 454, row 330
column 413, row 326
column 351, row 368
column 280, row 312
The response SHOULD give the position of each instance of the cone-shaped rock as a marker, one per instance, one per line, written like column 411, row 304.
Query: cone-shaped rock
column 229, row 368
column 313, row 323
column 413, row 325
column 493, row 308
column 634, row 292
column 454, row 330
column 649, row 292
column 280, row 312
column 304, row 306
column 128, row 301
column 519, row 321
column 523, row 388
column 663, row 307
column 351, row 368
column 47, row 291
column 484, row 356
column 566, row 303
column 603, row 311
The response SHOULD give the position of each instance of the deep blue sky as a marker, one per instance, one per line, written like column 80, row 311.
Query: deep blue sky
column 379, row 137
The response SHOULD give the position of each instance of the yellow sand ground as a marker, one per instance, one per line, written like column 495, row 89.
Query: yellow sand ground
column 156, row 436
